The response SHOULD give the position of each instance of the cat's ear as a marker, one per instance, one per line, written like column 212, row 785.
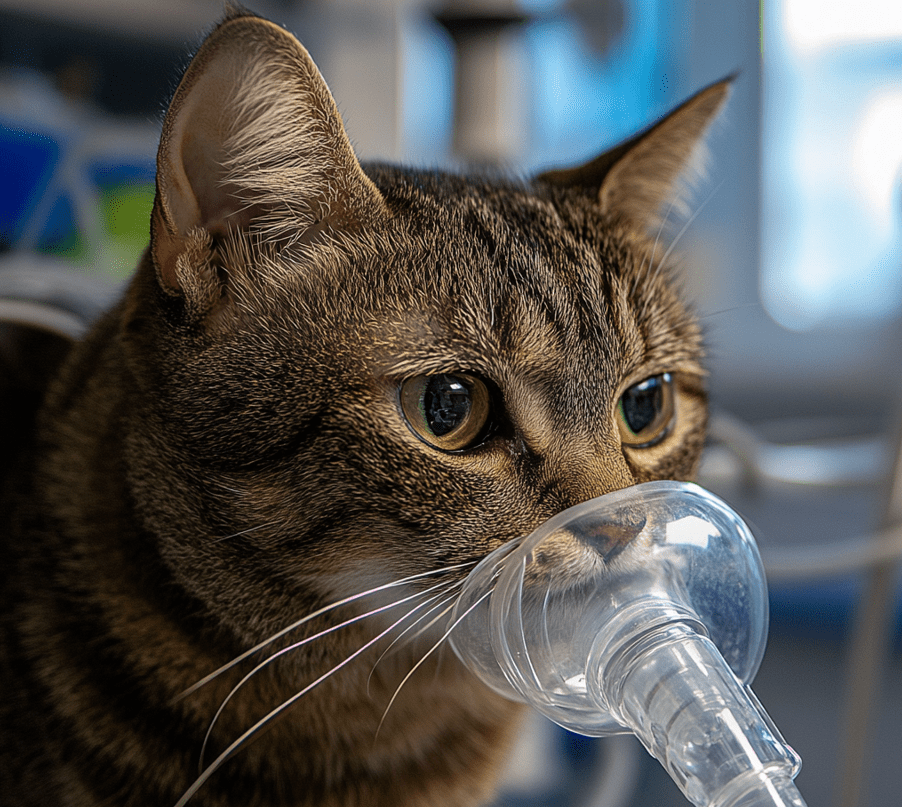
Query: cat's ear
column 638, row 178
column 252, row 140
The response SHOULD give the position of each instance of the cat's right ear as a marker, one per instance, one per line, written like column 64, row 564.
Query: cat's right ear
column 641, row 176
column 252, row 141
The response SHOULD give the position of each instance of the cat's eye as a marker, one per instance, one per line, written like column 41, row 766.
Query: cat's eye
column 448, row 411
column 645, row 411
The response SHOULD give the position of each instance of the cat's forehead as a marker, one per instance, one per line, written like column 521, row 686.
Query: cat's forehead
column 480, row 206
column 472, row 232
column 500, row 277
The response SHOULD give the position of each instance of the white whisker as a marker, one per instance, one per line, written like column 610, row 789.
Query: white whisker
column 270, row 659
column 426, row 627
column 428, row 653
column 324, row 610
column 443, row 599
column 244, row 532
column 437, row 617
column 721, row 312
column 663, row 262
column 236, row 745
column 654, row 249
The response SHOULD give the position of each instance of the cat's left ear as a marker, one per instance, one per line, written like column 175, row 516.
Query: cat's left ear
column 636, row 179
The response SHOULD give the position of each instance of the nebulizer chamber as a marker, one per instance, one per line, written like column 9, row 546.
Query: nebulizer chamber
column 644, row 611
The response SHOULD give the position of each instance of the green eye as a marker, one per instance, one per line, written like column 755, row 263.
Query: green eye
column 448, row 411
column 645, row 411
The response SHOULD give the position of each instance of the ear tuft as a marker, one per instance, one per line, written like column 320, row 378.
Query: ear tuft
column 253, row 141
column 636, row 179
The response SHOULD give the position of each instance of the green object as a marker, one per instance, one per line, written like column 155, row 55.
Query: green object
column 125, row 212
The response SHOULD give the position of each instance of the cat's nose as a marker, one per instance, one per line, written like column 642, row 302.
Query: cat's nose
column 568, row 557
column 608, row 538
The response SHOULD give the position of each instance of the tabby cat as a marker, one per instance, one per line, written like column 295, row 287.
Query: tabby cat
column 329, row 390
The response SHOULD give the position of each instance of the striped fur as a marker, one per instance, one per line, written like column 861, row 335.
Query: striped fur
column 225, row 455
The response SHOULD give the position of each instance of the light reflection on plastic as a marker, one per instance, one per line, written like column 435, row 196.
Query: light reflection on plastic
column 691, row 530
column 739, row 736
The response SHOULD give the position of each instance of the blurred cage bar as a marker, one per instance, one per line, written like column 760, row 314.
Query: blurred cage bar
column 809, row 449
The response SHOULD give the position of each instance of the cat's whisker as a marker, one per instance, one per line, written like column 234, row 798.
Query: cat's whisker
column 307, row 640
column 688, row 223
column 435, row 619
column 720, row 312
column 417, row 623
column 244, row 532
column 264, row 721
column 229, row 489
column 654, row 249
column 669, row 251
column 423, row 628
column 491, row 307
column 428, row 653
column 319, row 612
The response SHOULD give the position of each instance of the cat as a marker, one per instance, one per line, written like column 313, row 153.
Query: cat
column 327, row 384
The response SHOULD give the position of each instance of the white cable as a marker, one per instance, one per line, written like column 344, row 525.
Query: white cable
column 835, row 463
column 839, row 557
column 42, row 317
column 844, row 464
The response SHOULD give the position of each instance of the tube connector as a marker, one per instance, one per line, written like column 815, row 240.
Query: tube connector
column 673, row 689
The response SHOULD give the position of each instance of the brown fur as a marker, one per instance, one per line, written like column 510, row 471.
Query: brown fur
column 225, row 452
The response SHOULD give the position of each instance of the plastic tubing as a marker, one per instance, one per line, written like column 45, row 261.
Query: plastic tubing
column 641, row 611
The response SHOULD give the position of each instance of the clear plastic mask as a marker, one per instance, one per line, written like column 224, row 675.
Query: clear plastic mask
column 644, row 610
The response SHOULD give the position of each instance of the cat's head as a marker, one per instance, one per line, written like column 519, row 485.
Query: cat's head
column 345, row 374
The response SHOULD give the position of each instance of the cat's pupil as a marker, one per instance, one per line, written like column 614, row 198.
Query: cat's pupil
column 446, row 403
column 642, row 403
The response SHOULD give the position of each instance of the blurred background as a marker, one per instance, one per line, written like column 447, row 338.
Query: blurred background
column 792, row 253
